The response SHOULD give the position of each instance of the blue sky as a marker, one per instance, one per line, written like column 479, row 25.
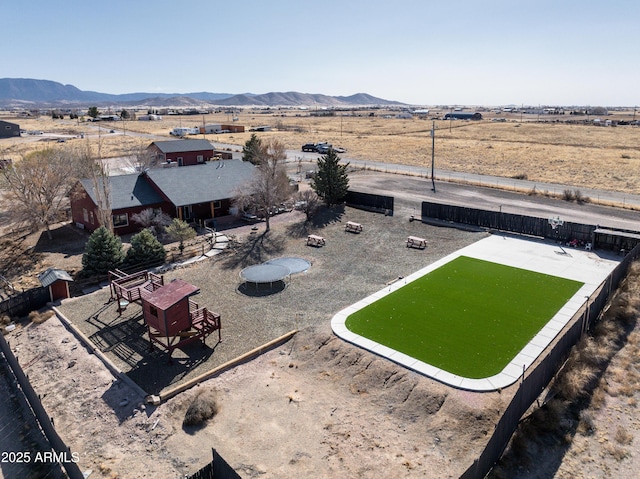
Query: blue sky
column 484, row 52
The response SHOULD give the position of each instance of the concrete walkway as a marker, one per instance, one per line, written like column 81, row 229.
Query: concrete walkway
column 588, row 267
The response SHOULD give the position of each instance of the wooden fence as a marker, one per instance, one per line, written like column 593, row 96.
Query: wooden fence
column 23, row 303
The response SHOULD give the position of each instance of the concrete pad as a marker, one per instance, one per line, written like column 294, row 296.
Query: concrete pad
column 588, row 267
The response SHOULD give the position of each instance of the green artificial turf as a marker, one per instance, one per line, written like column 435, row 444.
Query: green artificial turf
column 469, row 317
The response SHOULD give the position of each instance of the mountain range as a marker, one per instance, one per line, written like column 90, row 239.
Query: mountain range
column 29, row 93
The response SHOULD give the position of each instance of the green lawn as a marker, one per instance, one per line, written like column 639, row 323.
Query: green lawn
column 469, row 317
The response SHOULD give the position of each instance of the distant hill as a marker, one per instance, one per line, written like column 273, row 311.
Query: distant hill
column 27, row 92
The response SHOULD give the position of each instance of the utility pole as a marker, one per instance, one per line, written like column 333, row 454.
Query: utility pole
column 433, row 155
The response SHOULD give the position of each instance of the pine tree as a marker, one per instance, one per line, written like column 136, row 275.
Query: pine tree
column 145, row 249
column 103, row 253
column 252, row 149
column 331, row 181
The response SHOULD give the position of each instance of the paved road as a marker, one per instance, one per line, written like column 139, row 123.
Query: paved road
column 411, row 185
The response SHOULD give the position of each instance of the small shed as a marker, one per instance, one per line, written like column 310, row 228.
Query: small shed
column 57, row 280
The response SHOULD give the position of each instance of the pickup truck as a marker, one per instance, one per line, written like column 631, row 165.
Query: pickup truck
column 309, row 147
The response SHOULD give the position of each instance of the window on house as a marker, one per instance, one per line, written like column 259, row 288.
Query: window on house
column 180, row 161
column 85, row 215
column 217, row 205
column 120, row 220
column 91, row 216
column 153, row 310
column 200, row 159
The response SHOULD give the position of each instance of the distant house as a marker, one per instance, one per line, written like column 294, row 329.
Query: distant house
column 181, row 152
column 9, row 130
column 198, row 193
column 460, row 115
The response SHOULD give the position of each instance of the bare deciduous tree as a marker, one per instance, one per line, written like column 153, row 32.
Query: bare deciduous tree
column 37, row 187
column 97, row 170
column 141, row 159
column 270, row 185
column 309, row 201
column 152, row 219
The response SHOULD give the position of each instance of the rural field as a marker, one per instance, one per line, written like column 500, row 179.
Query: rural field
column 522, row 147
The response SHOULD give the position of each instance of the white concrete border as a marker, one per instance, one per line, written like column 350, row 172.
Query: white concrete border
column 588, row 267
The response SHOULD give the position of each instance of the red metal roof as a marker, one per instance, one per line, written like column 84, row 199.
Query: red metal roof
column 171, row 293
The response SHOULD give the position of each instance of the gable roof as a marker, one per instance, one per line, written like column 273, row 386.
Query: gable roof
column 52, row 275
column 180, row 146
column 126, row 191
column 213, row 181
column 188, row 185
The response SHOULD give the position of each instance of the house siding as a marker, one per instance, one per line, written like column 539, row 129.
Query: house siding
column 9, row 130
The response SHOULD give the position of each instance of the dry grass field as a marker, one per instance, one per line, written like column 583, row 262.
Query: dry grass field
column 580, row 155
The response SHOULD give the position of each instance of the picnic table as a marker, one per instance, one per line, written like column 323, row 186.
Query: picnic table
column 314, row 240
column 353, row 227
column 416, row 242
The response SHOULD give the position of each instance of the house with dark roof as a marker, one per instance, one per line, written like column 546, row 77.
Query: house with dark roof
column 198, row 193
column 181, row 152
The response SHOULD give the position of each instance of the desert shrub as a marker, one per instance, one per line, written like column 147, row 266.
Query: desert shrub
column 145, row 249
column 617, row 452
column 580, row 198
column 103, row 253
column 4, row 320
column 586, row 426
column 568, row 195
column 38, row 317
column 548, row 417
column 202, row 408
column 520, row 176
column 576, row 382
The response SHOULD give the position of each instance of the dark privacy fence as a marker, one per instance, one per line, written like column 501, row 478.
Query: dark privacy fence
column 216, row 469
column 45, row 423
column 532, row 226
column 371, row 202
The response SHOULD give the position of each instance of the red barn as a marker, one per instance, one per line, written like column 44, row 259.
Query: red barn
column 181, row 152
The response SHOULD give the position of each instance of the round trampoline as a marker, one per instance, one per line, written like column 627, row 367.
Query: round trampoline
column 295, row 265
column 265, row 273
column 272, row 273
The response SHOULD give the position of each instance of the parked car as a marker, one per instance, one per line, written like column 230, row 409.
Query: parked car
column 249, row 217
column 323, row 149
